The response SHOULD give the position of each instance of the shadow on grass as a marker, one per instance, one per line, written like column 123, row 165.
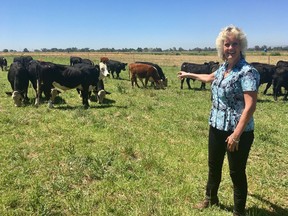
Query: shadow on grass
column 275, row 210
column 106, row 104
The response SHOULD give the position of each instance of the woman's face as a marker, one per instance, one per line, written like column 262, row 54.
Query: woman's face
column 232, row 48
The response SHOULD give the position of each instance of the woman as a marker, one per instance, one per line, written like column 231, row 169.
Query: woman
column 234, row 95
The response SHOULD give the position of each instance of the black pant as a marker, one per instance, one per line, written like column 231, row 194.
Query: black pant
column 237, row 165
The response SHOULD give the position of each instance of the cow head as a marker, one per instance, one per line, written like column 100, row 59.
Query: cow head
column 123, row 66
column 213, row 66
column 18, row 98
column 165, row 82
column 103, row 71
column 160, row 85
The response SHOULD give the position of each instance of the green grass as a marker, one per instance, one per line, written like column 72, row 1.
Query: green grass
column 143, row 152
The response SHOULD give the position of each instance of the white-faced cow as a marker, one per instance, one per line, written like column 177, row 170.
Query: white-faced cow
column 99, row 90
column 144, row 71
column 115, row 66
column 205, row 68
column 3, row 63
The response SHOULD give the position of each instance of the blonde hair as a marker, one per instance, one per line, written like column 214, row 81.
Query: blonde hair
column 227, row 31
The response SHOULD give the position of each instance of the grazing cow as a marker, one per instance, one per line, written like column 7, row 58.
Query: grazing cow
column 104, row 59
column 115, row 66
column 160, row 71
column 144, row 71
column 282, row 63
column 18, row 77
column 205, row 68
column 3, row 63
column 88, row 61
column 280, row 79
column 99, row 90
column 75, row 60
column 266, row 72
column 64, row 77
column 24, row 60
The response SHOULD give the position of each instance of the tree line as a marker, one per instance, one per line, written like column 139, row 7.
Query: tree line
column 146, row 50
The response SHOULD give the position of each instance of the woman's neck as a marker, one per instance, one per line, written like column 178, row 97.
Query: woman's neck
column 232, row 63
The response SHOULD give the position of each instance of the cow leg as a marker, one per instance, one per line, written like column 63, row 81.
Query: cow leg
column 286, row 94
column 146, row 82
column 38, row 92
column 118, row 72
column 182, row 81
column 188, row 83
column 276, row 90
column 202, row 86
column 267, row 87
column 85, row 94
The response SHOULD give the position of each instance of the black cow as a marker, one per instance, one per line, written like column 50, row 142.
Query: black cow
column 282, row 63
column 115, row 66
column 99, row 89
column 64, row 77
column 205, row 68
column 75, row 60
column 24, row 60
column 18, row 77
column 160, row 71
column 280, row 79
column 87, row 61
column 266, row 72
column 3, row 63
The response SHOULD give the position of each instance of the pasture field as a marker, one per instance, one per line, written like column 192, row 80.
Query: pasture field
column 142, row 152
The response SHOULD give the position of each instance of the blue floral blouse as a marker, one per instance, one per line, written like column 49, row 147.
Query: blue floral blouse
column 227, row 95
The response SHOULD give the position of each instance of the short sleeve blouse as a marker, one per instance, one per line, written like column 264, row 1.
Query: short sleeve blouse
column 227, row 95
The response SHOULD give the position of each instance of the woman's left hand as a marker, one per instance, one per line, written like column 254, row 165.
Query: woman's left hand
column 232, row 143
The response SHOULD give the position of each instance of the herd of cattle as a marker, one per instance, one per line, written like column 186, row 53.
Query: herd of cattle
column 85, row 76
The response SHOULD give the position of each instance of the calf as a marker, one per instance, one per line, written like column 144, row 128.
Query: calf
column 144, row 71
column 205, row 68
column 266, row 72
column 160, row 71
column 280, row 79
column 115, row 66
column 3, row 63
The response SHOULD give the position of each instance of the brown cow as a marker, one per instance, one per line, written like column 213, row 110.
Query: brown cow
column 144, row 71
column 104, row 59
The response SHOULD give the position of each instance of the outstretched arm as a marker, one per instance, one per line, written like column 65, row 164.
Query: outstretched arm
column 201, row 77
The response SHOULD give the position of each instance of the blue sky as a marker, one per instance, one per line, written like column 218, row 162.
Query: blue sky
column 94, row 24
